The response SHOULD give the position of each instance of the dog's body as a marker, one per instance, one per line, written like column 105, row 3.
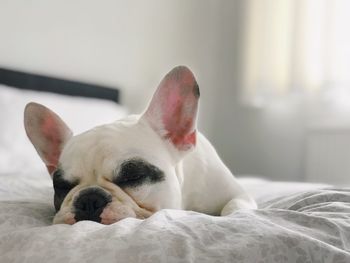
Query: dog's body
column 137, row 165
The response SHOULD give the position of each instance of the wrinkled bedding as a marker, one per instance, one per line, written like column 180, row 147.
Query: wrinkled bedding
column 294, row 223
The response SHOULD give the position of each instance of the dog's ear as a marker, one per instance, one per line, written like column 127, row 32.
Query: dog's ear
column 172, row 112
column 47, row 132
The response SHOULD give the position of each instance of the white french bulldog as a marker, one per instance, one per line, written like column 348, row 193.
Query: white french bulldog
column 138, row 165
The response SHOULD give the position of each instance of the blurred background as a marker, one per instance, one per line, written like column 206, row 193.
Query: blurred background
column 274, row 74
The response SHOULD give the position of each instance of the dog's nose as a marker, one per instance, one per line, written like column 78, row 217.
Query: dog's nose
column 90, row 204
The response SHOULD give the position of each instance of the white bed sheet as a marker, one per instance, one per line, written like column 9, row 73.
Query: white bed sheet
column 294, row 223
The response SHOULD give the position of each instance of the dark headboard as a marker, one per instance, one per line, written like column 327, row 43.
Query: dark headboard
column 29, row 81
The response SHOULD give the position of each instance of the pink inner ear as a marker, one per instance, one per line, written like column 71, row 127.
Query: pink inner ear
column 176, row 102
column 179, row 115
column 51, row 169
column 54, row 138
column 47, row 132
column 184, row 142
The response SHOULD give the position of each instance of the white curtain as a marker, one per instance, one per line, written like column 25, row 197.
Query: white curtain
column 295, row 47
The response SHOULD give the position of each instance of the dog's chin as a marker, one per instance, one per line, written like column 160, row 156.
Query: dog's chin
column 110, row 214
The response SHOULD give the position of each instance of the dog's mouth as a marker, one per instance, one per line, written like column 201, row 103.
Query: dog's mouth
column 111, row 213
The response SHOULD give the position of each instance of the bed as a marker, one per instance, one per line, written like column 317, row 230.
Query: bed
column 295, row 222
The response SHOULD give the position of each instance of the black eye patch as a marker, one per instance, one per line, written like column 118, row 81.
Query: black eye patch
column 135, row 172
column 61, row 187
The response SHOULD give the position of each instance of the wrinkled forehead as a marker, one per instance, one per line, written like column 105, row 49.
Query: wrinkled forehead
column 99, row 152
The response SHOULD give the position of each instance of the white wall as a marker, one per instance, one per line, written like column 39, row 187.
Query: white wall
column 267, row 141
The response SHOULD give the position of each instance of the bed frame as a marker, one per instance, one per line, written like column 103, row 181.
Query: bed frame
column 22, row 80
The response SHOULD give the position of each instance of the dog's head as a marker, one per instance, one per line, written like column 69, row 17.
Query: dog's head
column 125, row 169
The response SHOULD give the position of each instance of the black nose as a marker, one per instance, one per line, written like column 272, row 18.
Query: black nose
column 90, row 204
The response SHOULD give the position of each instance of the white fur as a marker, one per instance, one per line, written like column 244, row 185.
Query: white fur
column 196, row 180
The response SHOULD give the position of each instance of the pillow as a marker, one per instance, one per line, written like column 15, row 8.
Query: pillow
column 79, row 113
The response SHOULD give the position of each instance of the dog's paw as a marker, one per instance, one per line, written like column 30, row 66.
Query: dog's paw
column 238, row 204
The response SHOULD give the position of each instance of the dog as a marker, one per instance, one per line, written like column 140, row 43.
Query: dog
column 137, row 165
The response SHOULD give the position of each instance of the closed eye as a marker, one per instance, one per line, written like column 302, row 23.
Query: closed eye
column 130, row 176
column 61, row 187
column 134, row 172
column 60, row 183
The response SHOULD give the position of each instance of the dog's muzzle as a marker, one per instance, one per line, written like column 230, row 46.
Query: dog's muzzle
column 90, row 203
